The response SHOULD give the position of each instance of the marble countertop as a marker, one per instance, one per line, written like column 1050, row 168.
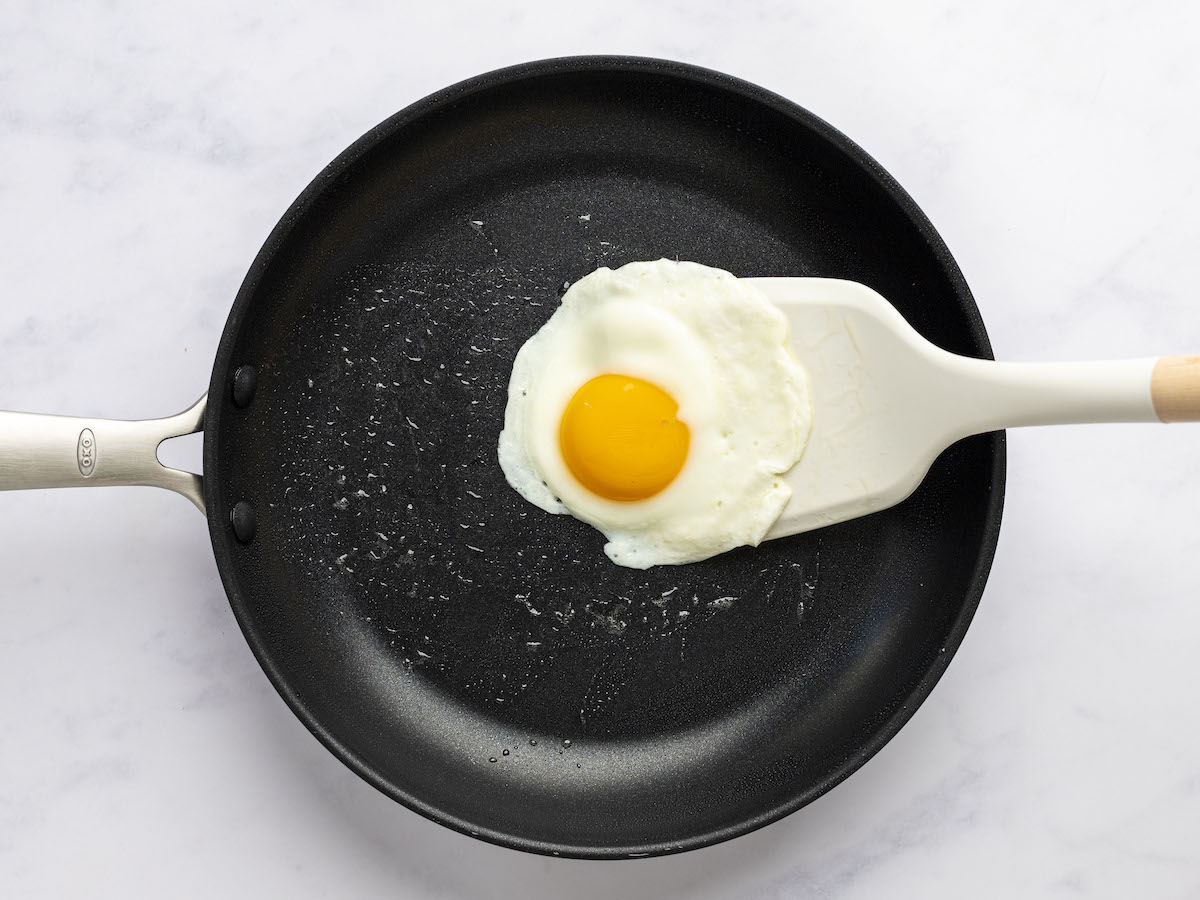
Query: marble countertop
column 147, row 149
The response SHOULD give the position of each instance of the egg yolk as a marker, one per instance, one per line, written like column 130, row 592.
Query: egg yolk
column 621, row 439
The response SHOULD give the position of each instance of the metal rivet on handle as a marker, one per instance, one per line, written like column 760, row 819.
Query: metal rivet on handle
column 245, row 381
column 244, row 521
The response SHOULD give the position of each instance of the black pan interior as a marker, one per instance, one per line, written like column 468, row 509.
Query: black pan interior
column 478, row 659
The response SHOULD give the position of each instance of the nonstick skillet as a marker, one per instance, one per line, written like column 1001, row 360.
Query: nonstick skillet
column 472, row 657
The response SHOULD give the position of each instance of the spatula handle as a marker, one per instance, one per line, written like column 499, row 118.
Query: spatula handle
column 975, row 396
column 1175, row 388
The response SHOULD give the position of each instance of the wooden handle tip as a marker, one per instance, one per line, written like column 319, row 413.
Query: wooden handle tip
column 1175, row 388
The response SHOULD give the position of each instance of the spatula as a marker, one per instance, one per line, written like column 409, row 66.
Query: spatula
column 886, row 401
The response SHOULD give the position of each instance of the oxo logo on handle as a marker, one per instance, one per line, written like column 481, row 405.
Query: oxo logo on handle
column 85, row 453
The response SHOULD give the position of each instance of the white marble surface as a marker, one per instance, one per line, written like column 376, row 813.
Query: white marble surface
column 147, row 149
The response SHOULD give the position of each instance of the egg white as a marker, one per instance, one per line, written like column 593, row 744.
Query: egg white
column 719, row 348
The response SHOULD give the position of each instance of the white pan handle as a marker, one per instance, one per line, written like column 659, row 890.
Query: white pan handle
column 38, row 451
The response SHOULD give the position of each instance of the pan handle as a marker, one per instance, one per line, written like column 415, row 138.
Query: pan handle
column 38, row 451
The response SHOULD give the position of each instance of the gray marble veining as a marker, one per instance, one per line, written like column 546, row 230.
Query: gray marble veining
column 147, row 149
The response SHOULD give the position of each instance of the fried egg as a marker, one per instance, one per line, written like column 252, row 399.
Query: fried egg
column 660, row 405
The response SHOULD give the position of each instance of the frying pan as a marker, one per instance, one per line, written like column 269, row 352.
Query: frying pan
column 473, row 658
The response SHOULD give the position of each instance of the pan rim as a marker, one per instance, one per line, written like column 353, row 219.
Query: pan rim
column 218, row 518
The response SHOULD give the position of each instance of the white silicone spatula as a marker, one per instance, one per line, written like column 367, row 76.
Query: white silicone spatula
column 886, row 402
